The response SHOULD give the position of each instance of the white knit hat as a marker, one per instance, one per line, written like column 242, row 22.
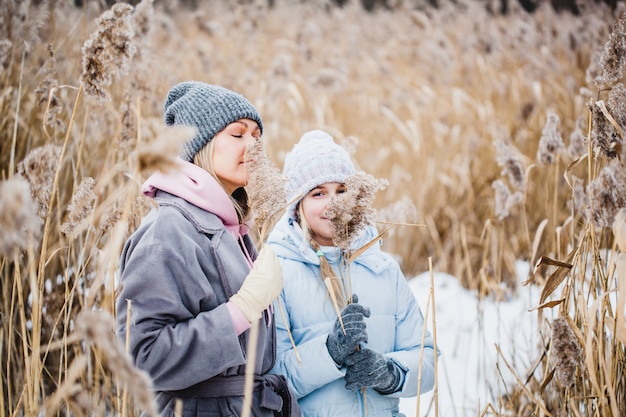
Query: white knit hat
column 316, row 159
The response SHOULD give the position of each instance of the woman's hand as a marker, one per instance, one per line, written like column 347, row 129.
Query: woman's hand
column 262, row 285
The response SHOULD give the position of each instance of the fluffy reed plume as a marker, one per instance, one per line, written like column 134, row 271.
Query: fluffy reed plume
column 97, row 327
column 266, row 190
column 401, row 211
column 351, row 212
column 608, row 129
column 551, row 142
column 505, row 201
column 80, row 209
column 19, row 222
column 616, row 106
column 509, row 160
column 328, row 79
column 350, row 144
column 160, row 155
column 604, row 137
column 606, row 195
column 281, row 68
column 26, row 21
column 110, row 221
column 138, row 208
column 39, row 168
column 45, row 93
column 579, row 201
column 613, row 55
column 143, row 19
column 129, row 123
column 577, row 140
column 5, row 48
column 566, row 352
column 108, row 51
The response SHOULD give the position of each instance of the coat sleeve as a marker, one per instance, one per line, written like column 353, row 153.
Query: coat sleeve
column 172, row 334
column 415, row 352
column 307, row 367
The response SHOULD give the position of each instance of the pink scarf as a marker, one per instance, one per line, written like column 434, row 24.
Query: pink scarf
column 198, row 187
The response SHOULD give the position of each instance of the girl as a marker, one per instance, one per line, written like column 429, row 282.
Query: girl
column 363, row 368
column 186, row 275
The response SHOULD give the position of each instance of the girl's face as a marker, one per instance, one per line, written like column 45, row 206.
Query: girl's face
column 314, row 206
column 229, row 146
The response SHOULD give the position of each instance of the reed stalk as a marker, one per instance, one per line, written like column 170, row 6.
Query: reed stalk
column 434, row 332
column 253, row 336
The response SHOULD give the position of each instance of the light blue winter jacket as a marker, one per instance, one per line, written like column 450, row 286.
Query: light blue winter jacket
column 395, row 327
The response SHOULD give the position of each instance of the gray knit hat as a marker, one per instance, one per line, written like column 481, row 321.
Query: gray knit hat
column 316, row 159
column 208, row 108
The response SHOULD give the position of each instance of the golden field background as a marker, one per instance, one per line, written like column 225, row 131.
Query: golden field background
column 449, row 104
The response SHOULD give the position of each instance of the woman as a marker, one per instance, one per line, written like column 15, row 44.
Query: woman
column 379, row 350
column 186, row 275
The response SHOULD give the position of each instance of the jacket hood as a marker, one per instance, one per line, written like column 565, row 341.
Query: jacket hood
column 287, row 242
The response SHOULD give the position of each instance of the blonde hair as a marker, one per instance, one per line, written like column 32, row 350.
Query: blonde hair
column 239, row 198
column 326, row 271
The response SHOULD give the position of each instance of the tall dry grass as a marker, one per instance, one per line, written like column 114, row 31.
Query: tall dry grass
column 486, row 127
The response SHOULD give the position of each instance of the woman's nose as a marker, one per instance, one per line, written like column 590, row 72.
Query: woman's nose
column 250, row 139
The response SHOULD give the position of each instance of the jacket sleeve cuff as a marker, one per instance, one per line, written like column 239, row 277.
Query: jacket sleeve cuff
column 240, row 321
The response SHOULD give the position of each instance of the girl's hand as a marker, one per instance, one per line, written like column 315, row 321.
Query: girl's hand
column 340, row 344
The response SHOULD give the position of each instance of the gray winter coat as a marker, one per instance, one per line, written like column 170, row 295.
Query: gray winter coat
column 177, row 271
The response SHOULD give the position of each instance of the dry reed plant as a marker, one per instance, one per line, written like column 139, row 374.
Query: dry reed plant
column 581, row 362
column 160, row 154
column 38, row 168
column 80, row 209
column 427, row 92
column 18, row 217
column 46, row 281
column 566, row 352
column 267, row 197
column 266, row 190
column 98, row 329
column 108, row 51
column 351, row 211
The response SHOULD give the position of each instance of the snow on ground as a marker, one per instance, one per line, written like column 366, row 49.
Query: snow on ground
column 471, row 373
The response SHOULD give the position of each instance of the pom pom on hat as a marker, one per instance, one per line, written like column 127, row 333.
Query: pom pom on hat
column 208, row 108
column 316, row 159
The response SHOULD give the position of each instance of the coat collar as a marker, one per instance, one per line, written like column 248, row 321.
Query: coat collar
column 199, row 188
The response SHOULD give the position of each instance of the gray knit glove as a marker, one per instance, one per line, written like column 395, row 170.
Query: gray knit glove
column 368, row 368
column 340, row 345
